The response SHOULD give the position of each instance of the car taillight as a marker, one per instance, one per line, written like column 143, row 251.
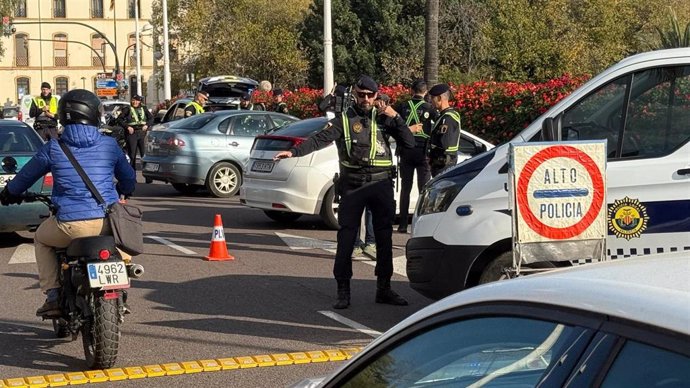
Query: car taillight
column 48, row 181
column 104, row 254
column 173, row 141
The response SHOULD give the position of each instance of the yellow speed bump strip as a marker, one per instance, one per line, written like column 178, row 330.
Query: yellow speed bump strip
column 175, row 368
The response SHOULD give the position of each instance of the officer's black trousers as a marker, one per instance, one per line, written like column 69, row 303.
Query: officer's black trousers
column 135, row 141
column 379, row 197
column 408, row 167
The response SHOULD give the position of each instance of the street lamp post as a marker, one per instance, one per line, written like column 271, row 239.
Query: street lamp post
column 83, row 82
column 166, row 52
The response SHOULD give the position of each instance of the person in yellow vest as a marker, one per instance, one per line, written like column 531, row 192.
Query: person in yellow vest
column 196, row 106
column 44, row 110
column 444, row 139
column 136, row 120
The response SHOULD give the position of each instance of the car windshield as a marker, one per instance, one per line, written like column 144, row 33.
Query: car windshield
column 195, row 122
column 10, row 112
column 18, row 139
column 302, row 128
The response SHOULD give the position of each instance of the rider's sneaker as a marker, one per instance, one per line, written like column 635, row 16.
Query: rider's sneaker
column 49, row 309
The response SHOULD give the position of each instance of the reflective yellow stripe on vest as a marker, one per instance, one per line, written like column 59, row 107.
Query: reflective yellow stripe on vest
column 198, row 108
column 137, row 119
column 455, row 116
column 374, row 144
column 40, row 103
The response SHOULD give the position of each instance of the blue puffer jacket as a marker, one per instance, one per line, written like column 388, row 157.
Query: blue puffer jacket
column 98, row 155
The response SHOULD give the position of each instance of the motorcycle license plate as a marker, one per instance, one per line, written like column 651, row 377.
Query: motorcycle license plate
column 108, row 274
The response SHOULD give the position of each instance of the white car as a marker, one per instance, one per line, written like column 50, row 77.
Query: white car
column 613, row 324
column 289, row 188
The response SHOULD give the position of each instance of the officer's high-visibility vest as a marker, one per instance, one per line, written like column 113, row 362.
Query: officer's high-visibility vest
column 198, row 108
column 382, row 159
column 452, row 150
column 40, row 103
column 413, row 116
column 136, row 120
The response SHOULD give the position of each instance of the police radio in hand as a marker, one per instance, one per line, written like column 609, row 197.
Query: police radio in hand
column 343, row 102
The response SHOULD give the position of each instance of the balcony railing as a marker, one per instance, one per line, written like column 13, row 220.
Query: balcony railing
column 21, row 61
column 60, row 61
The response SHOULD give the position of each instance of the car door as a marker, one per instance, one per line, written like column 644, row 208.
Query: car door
column 645, row 118
column 241, row 131
column 482, row 346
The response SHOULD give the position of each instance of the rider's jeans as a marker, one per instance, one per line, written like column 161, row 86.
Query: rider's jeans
column 53, row 234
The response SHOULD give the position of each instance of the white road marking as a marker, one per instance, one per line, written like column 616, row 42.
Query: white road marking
column 172, row 245
column 24, row 253
column 299, row 242
column 348, row 322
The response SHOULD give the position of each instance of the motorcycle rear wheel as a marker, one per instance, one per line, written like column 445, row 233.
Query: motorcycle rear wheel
column 101, row 336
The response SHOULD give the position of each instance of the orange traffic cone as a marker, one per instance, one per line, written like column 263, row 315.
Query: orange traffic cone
column 219, row 250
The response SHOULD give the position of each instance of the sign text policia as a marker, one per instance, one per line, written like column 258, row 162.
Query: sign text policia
column 560, row 191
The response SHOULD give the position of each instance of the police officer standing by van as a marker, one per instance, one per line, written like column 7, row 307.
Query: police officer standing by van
column 361, row 134
column 419, row 115
column 44, row 111
column 445, row 135
column 136, row 120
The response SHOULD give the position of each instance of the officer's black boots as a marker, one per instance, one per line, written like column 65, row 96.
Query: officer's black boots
column 343, row 295
column 385, row 295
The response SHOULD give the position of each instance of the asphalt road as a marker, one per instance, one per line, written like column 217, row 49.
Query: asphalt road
column 275, row 297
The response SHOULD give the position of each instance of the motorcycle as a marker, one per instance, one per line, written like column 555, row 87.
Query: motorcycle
column 93, row 294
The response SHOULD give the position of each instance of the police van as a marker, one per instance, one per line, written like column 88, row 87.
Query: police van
column 461, row 230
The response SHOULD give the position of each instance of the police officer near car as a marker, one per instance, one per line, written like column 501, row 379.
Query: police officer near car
column 247, row 104
column 419, row 115
column 196, row 106
column 136, row 119
column 278, row 104
column 44, row 110
column 361, row 134
column 444, row 139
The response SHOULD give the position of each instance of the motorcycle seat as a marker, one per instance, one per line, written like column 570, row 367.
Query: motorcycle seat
column 90, row 246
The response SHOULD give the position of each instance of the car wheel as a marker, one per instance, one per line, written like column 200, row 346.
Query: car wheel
column 224, row 180
column 495, row 270
column 329, row 210
column 282, row 217
column 185, row 188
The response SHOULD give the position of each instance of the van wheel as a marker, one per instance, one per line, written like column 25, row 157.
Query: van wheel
column 224, row 180
column 495, row 270
column 282, row 217
column 329, row 210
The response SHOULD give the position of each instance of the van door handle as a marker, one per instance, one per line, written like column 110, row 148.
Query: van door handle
column 234, row 144
column 684, row 171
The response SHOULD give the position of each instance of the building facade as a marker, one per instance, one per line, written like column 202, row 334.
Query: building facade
column 78, row 44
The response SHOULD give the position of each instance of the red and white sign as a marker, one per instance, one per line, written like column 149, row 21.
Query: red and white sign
column 560, row 191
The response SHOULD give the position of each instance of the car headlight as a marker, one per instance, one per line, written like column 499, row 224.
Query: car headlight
column 438, row 196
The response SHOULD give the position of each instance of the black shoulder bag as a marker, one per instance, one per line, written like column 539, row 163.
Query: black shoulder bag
column 125, row 220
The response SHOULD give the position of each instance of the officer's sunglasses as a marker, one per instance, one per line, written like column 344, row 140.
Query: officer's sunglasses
column 366, row 94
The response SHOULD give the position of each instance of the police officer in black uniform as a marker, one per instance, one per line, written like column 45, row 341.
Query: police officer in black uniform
column 278, row 104
column 419, row 115
column 136, row 120
column 444, row 139
column 44, row 112
column 366, row 179
column 246, row 103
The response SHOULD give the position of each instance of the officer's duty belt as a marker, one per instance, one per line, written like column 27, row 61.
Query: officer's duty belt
column 360, row 179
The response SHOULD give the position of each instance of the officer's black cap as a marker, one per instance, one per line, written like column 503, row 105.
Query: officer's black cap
column 203, row 93
column 439, row 89
column 137, row 97
column 339, row 90
column 245, row 97
column 277, row 92
column 45, row 85
column 367, row 83
column 417, row 83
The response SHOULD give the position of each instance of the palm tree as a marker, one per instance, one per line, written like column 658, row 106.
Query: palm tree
column 673, row 37
column 431, row 42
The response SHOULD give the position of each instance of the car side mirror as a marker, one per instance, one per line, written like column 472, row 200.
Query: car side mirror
column 551, row 129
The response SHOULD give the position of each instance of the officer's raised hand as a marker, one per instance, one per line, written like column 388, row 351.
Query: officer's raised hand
column 282, row 155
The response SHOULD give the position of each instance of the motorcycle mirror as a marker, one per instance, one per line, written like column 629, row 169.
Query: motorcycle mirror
column 9, row 164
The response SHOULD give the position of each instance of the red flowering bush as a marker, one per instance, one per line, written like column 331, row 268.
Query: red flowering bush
column 495, row 111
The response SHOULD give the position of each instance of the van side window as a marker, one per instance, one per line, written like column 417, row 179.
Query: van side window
column 658, row 118
column 598, row 116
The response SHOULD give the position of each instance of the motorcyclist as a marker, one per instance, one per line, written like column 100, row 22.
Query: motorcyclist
column 78, row 213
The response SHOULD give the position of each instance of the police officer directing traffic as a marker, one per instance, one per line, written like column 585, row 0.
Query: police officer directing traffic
column 419, row 115
column 136, row 119
column 445, row 135
column 361, row 134
column 44, row 110
column 196, row 106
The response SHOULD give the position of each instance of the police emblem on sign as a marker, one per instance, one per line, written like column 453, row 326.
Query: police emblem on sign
column 627, row 218
column 357, row 127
